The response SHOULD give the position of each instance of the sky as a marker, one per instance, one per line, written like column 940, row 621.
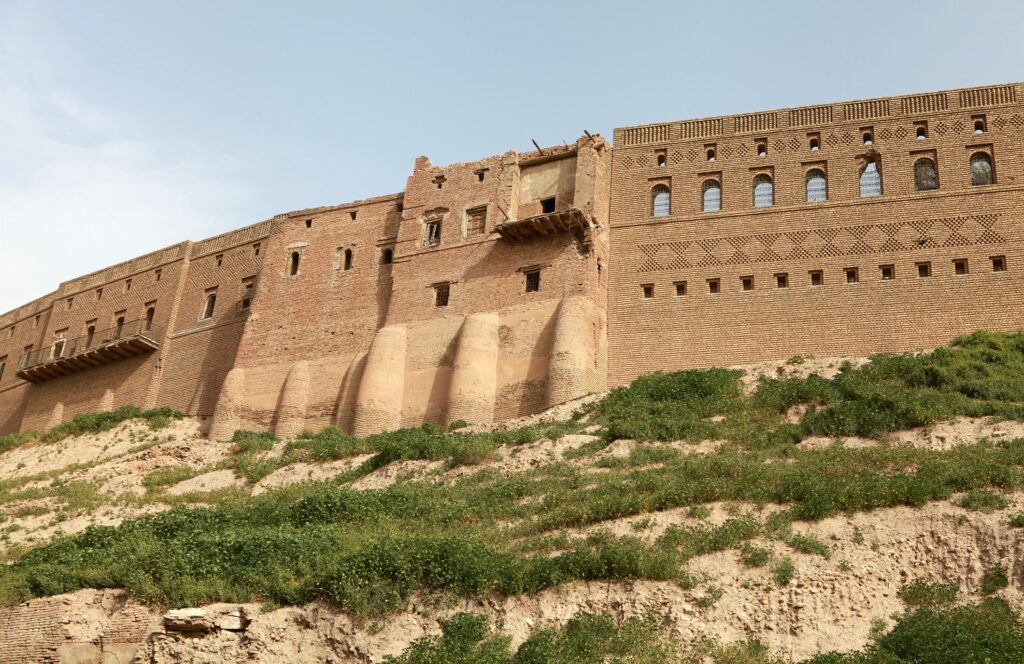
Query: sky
column 127, row 126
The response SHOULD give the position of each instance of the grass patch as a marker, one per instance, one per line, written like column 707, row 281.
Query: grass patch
column 252, row 441
column 167, row 476
column 84, row 423
column 983, row 500
column 12, row 440
column 754, row 556
column 925, row 594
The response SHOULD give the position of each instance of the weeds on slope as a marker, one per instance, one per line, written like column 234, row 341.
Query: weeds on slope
column 495, row 532
column 981, row 374
column 988, row 632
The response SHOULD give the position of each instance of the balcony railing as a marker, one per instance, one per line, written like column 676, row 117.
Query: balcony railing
column 66, row 356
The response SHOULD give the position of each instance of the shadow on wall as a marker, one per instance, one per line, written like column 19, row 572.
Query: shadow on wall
column 197, row 364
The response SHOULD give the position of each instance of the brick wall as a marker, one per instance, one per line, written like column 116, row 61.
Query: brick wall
column 902, row 227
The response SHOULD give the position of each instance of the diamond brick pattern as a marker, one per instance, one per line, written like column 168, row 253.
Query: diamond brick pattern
column 821, row 243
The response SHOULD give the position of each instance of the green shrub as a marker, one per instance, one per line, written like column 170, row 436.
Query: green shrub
column 983, row 500
column 994, row 579
column 988, row 633
column 754, row 556
column 1017, row 520
column 925, row 594
column 784, row 571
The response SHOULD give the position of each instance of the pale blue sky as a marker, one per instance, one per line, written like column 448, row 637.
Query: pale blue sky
column 137, row 124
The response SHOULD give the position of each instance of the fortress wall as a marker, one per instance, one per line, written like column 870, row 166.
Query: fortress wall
column 201, row 350
column 902, row 228
column 22, row 327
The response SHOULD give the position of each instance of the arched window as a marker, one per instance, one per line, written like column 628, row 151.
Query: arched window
column 387, row 257
column 711, row 193
column 814, row 145
column 981, row 169
column 870, row 180
column 211, row 302
column 764, row 191
column 294, row 268
column 661, row 201
column 817, row 186
column 926, row 177
column 118, row 327
column 150, row 314
column 348, row 259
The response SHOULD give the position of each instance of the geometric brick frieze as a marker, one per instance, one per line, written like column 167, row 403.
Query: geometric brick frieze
column 822, row 243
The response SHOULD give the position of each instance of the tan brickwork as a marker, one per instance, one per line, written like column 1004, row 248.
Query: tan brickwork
column 494, row 288
column 902, row 227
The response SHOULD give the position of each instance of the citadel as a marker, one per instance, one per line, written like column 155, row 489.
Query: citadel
column 500, row 287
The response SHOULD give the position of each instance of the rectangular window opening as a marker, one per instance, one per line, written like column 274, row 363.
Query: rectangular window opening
column 547, row 205
column 476, row 221
column 852, row 275
column 888, row 272
column 714, row 286
column 960, row 266
column 256, row 249
column 127, row 285
column 680, row 288
column 157, row 274
column 998, row 263
column 248, row 285
column 533, row 281
column 924, row 269
column 441, row 292
column 747, row 283
column 648, row 290
column 220, row 259
column 432, row 233
column 782, row 280
column 817, row 277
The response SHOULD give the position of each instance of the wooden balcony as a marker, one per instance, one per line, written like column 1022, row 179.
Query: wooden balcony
column 548, row 223
column 68, row 356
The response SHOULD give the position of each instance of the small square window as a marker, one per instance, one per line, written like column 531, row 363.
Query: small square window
column 979, row 124
column 817, row 277
column 547, row 205
column 782, row 280
column 441, row 292
column 309, row 223
column 714, row 286
column 533, row 281
column 352, row 214
column 852, row 275
column 888, row 272
column 960, row 266
column 680, row 288
column 648, row 290
column 924, row 269
column 747, row 283
column 999, row 263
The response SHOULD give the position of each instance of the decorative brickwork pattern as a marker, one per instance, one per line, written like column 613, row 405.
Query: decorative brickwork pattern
column 822, row 243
